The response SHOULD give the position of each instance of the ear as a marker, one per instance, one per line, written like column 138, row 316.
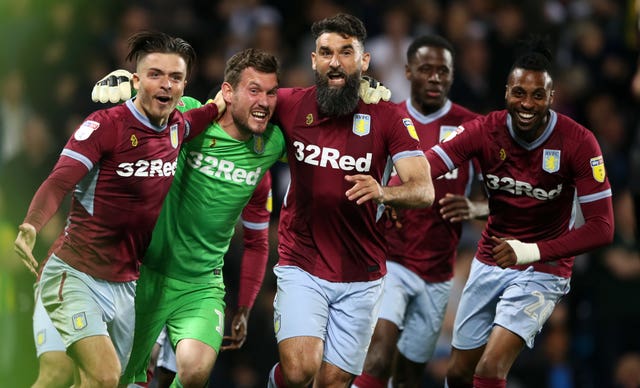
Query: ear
column 227, row 92
column 552, row 97
column 135, row 80
column 366, row 58
column 313, row 60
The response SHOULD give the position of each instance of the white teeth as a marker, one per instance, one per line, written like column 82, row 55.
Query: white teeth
column 259, row 114
column 525, row 115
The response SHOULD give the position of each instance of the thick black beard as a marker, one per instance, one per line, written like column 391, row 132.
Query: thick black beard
column 334, row 102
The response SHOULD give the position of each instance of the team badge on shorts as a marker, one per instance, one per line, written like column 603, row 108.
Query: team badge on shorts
column 361, row 124
column 173, row 131
column 85, row 130
column 276, row 323
column 597, row 167
column 445, row 131
column 551, row 160
column 79, row 321
column 41, row 338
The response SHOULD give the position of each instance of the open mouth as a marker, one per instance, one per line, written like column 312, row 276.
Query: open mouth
column 525, row 117
column 259, row 115
column 163, row 99
column 335, row 77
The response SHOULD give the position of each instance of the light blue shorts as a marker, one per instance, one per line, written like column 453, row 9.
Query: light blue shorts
column 343, row 315
column 519, row 301
column 166, row 356
column 417, row 308
column 81, row 306
column 45, row 335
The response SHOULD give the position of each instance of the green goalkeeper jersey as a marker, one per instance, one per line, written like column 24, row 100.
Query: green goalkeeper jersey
column 214, row 179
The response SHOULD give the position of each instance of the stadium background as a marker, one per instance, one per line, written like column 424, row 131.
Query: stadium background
column 51, row 53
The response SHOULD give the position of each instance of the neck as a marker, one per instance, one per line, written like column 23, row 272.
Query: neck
column 157, row 121
column 230, row 127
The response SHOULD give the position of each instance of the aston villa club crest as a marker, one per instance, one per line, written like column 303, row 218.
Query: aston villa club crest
column 258, row 144
column 445, row 131
column 361, row 124
column 173, row 131
column 79, row 321
column 41, row 338
column 276, row 323
column 551, row 160
column 597, row 168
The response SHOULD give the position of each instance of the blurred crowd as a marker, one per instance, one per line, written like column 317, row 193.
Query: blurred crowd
column 52, row 52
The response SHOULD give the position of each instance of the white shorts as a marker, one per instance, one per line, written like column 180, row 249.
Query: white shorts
column 45, row 335
column 519, row 301
column 166, row 356
column 81, row 306
column 417, row 308
column 343, row 315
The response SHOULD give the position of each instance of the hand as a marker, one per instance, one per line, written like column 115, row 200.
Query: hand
column 220, row 103
column 114, row 87
column 239, row 326
column 456, row 208
column 24, row 244
column 503, row 253
column 372, row 91
column 364, row 188
column 510, row 251
column 392, row 214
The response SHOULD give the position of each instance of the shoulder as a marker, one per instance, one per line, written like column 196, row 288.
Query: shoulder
column 569, row 126
column 287, row 93
column 462, row 112
column 187, row 103
column 274, row 130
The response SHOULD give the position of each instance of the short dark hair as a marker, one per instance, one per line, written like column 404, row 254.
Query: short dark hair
column 343, row 24
column 251, row 57
column 146, row 42
column 430, row 40
column 534, row 54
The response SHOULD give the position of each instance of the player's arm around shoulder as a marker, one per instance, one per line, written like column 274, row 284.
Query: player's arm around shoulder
column 416, row 189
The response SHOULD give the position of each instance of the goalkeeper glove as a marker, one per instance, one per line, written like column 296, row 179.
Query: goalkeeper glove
column 114, row 87
column 372, row 91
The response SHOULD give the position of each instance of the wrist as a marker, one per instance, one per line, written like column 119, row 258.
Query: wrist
column 380, row 200
column 525, row 252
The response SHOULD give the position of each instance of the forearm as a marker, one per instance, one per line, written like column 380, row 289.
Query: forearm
column 409, row 195
column 596, row 232
column 480, row 210
column 253, row 267
column 416, row 189
column 51, row 193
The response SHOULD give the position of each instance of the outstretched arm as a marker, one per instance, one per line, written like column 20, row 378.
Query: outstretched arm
column 66, row 173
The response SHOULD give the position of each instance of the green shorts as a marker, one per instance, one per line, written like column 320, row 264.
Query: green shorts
column 189, row 310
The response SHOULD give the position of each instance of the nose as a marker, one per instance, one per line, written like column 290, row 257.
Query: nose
column 334, row 62
column 434, row 76
column 526, row 102
column 166, row 83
